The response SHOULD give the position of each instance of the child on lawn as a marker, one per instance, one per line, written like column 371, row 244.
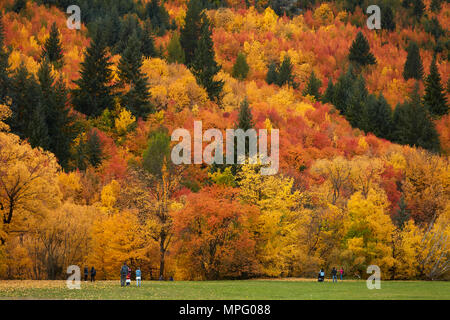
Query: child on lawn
column 129, row 276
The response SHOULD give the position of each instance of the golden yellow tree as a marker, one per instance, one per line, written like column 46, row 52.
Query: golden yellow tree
column 28, row 182
column 368, row 232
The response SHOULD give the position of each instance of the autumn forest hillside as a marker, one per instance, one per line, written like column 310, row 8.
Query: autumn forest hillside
column 86, row 117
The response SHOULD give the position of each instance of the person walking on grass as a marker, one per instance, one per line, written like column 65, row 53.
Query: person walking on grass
column 138, row 277
column 86, row 273
column 93, row 273
column 341, row 271
column 123, row 274
column 334, row 274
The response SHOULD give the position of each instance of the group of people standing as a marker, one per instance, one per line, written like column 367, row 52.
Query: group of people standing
column 86, row 274
column 125, row 275
column 334, row 274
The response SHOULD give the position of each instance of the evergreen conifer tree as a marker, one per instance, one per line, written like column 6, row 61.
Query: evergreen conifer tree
column 413, row 126
column 434, row 98
column 360, row 52
column 147, row 41
column 94, row 91
column 285, row 74
column 418, row 8
column 387, row 19
column 313, row 86
column 53, row 98
column 19, row 5
column 329, row 92
column 174, row 50
column 355, row 109
column 435, row 6
column 204, row 67
column 191, row 31
column 379, row 117
column 413, row 66
column 28, row 118
column 131, row 75
column 5, row 80
column 52, row 49
column 240, row 67
column 94, row 149
column 272, row 74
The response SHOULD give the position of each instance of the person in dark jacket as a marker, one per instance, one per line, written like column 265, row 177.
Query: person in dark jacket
column 123, row 274
column 321, row 276
column 93, row 273
column 334, row 274
column 86, row 273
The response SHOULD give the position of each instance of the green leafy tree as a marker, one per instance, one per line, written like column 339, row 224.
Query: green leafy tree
column 131, row 75
column 52, row 49
column 94, row 91
column 240, row 67
column 157, row 152
column 360, row 52
column 175, row 53
column 204, row 67
column 434, row 98
column 313, row 86
column 413, row 68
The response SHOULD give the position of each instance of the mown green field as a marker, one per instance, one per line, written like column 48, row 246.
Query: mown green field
column 209, row 290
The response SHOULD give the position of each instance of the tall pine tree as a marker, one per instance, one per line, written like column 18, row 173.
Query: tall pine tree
column 379, row 117
column 434, row 98
column 59, row 122
column 94, row 91
column 28, row 118
column 435, row 6
column 240, row 67
column 360, row 53
column 5, row 80
column 204, row 67
column 132, row 77
column 313, row 86
column 147, row 41
column 191, row 31
column 52, row 49
column 175, row 53
column 413, row 68
column 285, row 73
column 413, row 125
column 355, row 109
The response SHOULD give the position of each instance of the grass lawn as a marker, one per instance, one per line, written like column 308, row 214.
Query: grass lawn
column 217, row 290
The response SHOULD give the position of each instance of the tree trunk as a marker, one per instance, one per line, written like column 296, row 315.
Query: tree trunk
column 162, row 252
